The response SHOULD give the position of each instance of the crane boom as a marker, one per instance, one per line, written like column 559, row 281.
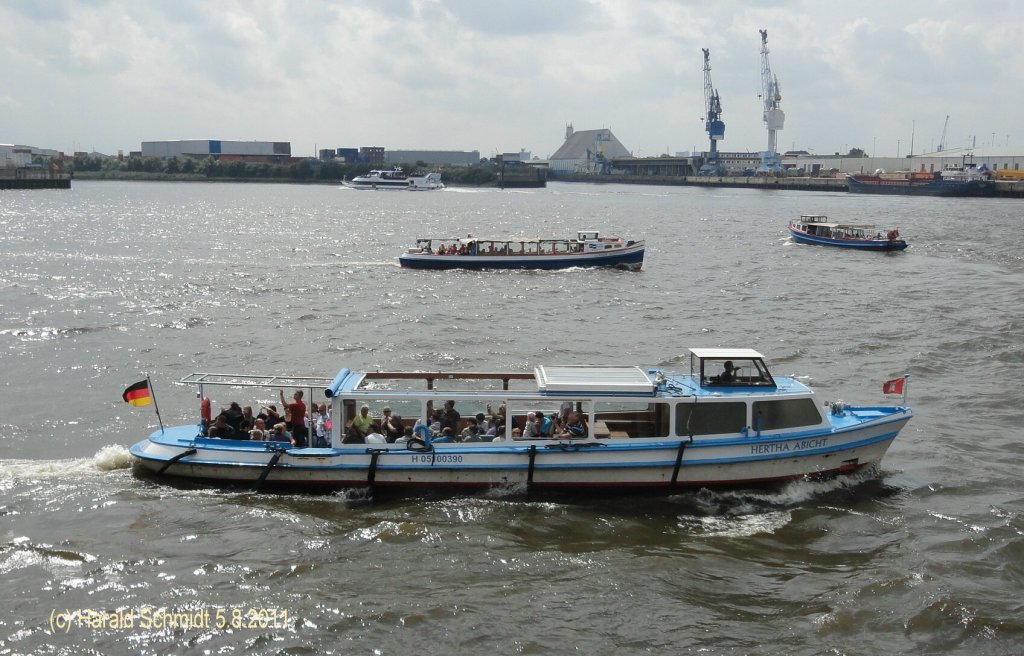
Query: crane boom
column 713, row 121
column 942, row 139
column 773, row 116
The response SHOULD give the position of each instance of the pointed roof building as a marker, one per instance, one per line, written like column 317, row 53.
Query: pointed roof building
column 586, row 151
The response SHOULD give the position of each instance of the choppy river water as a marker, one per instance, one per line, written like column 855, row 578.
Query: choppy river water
column 109, row 281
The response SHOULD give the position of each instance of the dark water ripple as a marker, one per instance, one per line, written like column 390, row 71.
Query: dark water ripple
column 111, row 281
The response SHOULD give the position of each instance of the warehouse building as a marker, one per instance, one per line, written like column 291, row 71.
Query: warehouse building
column 586, row 151
column 217, row 148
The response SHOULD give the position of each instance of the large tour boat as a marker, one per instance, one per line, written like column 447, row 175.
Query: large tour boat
column 587, row 249
column 396, row 179
column 817, row 229
column 966, row 180
column 726, row 422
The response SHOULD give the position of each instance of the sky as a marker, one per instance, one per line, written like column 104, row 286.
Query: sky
column 504, row 76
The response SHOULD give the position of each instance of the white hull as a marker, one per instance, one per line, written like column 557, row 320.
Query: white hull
column 609, row 463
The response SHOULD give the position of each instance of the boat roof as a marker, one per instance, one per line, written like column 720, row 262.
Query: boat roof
column 831, row 224
column 603, row 380
column 516, row 240
column 725, row 353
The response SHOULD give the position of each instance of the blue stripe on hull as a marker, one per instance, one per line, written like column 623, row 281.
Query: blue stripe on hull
column 804, row 238
column 631, row 259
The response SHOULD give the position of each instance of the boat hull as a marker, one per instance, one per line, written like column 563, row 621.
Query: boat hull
column 866, row 184
column 613, row 464
column 628, row 258
column 858, row 244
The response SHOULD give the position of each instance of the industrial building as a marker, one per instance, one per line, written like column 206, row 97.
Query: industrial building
column 217, row 148
column 586, row 151
column 996, row 159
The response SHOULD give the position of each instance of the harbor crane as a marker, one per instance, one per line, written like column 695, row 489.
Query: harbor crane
column 713, row 122
column 942, row 139
column 774, row 117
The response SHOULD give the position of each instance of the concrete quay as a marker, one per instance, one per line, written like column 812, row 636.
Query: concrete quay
column 1004, row 188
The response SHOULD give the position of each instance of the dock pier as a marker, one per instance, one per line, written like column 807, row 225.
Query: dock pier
column 33, row 179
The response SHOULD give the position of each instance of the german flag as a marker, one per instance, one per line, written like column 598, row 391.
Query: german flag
column 138, row 394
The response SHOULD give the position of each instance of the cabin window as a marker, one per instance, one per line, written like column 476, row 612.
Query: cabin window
column 792, row 413
column 518, row 413
column 626, row 419
column 710, row 418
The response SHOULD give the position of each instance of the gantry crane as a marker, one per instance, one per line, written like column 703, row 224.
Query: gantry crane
column 713, row 122
column 774, row 117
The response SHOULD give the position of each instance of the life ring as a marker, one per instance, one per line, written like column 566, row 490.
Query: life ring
column 892, row 234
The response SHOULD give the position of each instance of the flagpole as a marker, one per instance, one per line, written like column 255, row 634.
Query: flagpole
column 906, row 381
column 156, row 405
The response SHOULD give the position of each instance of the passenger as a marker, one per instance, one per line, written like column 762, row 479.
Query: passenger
column 574, row 428
column 280, row 433
column 391, row 426
column 361, row 425
column 727, row 375
column 259, row 430
column 450, row 417
column 435, row 423
column 532, row 428
column 248, row 421
column 319, row 429
column 269, row 415
column 233, row 415
column 221, row 428
column 472, row 424
column 473, row 435
column 446, row 436
column 546, row 424
column 482, row 422
column 375, row 436
column 298, row 425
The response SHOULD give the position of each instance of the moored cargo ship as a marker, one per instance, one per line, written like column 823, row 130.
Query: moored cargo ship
column 951, row 181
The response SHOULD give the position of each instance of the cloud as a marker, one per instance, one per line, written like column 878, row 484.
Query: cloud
column 462, row 74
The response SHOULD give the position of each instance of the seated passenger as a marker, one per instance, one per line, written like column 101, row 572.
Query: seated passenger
column 259, row 431
column 279, row 433
column 532, row 427
column 574, row 428
column 445, row 436
column 546, row 424
column 471, row 427
column 391, row 426
column 233, row 415
column 270, row 416
column 473, row 434
column 362, row 423
column 727, row 375
column 221, row 428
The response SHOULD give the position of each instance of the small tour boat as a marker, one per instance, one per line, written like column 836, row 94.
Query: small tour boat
column 726, row 422
column 587, row 249
column 817, row 229
column 396, row 179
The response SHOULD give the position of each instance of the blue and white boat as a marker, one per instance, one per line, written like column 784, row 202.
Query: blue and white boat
column 726, row 422
column 818, row 230
column 587, row 249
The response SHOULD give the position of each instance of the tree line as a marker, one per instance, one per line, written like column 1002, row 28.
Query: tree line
column 306, row 170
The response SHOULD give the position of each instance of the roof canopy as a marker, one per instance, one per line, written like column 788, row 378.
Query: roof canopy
column 582, row 379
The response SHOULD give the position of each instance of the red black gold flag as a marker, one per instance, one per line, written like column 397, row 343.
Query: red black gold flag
column 138, row 394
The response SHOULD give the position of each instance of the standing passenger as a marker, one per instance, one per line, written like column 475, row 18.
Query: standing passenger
column 298, row 411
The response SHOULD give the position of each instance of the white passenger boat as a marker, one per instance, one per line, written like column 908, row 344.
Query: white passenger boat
column 587, row 249
column 633, row 429
column 396, row 179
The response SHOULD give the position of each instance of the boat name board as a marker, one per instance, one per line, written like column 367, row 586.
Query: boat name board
column 787, row 447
